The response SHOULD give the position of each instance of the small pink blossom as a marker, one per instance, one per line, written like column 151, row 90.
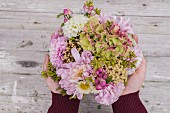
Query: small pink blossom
column 57, row 33
column 65, row 20
column 88, row 9
column 104, row 17
column 67, row 11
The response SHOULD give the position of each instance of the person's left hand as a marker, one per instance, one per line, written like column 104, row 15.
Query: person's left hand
column 136, row 80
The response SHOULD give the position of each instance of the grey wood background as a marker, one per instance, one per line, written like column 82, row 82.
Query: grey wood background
column 25, row 29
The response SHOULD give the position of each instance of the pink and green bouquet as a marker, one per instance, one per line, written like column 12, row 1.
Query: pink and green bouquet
column 93, row 53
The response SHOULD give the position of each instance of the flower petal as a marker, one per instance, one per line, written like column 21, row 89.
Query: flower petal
column 75, row 54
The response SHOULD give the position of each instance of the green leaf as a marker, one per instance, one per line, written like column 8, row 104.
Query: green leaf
column 99, row 29
column 108, row 53
column 117, row 49
column 97, row 11
column 125, row 83
column 109, row 23
column 51, row 72
column 115, row 40
column 109, row 79
column 44, row 74
column 62, row 24
column 59, row 15
column 63, row 92
column 85, row 43
column 104, row 36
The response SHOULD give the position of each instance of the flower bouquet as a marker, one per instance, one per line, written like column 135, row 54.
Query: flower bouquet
column 93, row 52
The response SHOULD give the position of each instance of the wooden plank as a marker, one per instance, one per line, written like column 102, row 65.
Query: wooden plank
column 25, row 28
column 152, row 44
column 20, row 93
column 51, row 17
column 25, row 40
column 8, row 106
column 155, row 97
column 132, row 7
column 36, row 21
column 30, row 63
column 25, row 62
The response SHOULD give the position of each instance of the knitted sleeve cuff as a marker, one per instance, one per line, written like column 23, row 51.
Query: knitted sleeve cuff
column 62, row 104
column 129, row 103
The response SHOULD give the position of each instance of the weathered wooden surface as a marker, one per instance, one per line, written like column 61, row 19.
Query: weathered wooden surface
column 25, row 28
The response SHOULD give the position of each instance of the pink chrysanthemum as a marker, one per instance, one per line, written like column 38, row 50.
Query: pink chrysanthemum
column 110, row 94
column 57, row 46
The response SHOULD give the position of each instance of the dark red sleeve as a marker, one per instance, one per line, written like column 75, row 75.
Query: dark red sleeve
column 129, row 103
column 62, row 104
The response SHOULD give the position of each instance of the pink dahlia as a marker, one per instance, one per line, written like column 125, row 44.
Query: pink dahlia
column 57, row 46
column 74, row 72
column 110, row 94
column 72, row 75
column 125, row 25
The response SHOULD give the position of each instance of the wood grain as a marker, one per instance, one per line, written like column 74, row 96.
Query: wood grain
column 25, row 29
column 132, row 7
column 36, row 21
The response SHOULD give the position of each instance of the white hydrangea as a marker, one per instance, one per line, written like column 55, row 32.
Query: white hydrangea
column 74, row 25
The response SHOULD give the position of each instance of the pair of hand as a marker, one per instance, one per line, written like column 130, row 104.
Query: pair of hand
column 134, row 83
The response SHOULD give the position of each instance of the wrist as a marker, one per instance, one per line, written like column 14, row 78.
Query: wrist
column 127, row 91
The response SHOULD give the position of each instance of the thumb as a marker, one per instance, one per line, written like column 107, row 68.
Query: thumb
column 135, row 37
column 47, row 59
column 141, row 71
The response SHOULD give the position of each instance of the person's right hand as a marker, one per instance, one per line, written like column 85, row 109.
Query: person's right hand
column 50, row 82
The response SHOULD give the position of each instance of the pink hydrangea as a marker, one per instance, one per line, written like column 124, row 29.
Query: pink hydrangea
column 57, row 46
column 110, row 94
